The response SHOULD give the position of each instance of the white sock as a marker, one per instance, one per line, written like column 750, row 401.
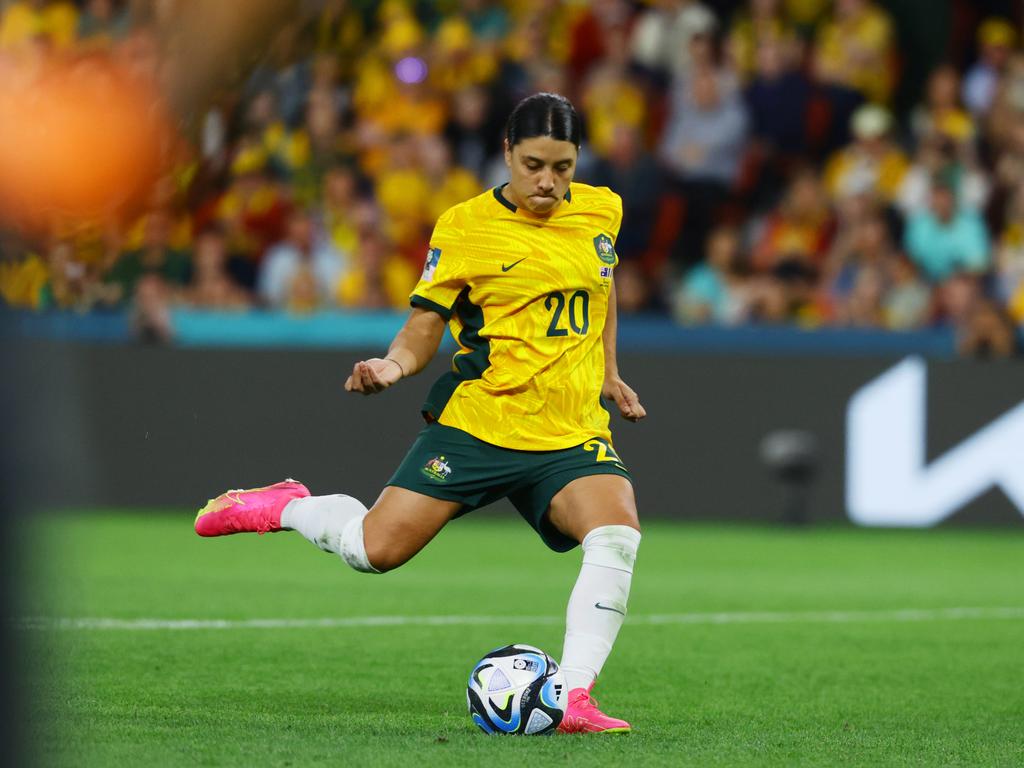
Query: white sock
column 333, row 523
column 597, row 605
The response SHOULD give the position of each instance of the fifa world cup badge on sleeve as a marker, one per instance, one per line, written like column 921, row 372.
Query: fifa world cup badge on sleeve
column 433, row 257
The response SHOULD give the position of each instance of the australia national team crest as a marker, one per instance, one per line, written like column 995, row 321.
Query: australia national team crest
column 437, row 469
column 605, row 249
column 433, row 258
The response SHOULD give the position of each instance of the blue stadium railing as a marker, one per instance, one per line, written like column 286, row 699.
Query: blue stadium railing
column 375, row 329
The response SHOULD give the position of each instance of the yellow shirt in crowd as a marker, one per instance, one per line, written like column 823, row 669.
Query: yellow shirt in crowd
column 855, row 53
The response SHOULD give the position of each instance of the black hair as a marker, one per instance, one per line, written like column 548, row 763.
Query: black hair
column 544, row 114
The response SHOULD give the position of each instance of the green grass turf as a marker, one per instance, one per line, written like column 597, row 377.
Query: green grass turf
column 929, row 693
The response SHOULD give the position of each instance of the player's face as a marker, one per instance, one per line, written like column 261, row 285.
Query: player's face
column 540, row 170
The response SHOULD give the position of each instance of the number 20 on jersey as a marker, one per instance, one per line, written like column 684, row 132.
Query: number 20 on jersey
column 575, row 307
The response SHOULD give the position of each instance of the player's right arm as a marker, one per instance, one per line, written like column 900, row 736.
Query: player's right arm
column 412, row 349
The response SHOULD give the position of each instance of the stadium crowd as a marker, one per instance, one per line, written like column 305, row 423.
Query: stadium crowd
column 771, row 168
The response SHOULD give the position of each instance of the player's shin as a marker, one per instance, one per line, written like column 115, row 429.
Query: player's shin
column 597, row 605
column 333, row 523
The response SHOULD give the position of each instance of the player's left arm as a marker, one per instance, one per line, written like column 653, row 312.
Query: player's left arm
column 614, row 387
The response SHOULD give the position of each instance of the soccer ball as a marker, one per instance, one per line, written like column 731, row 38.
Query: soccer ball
column 517, row 689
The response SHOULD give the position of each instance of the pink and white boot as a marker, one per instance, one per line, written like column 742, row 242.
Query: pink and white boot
column 257, row 510
column 583, row 716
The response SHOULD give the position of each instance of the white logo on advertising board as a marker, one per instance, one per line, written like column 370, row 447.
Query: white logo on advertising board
column 889, row 483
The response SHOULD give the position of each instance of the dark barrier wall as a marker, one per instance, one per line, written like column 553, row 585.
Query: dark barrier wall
column 116, row 425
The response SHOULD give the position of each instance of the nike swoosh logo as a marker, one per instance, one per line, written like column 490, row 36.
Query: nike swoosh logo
column 506, row 269
column 608, row 608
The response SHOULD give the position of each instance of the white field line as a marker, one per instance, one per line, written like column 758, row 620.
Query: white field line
column 756, row 617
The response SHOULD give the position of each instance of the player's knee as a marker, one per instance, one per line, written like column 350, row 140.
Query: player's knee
column 630, row 518
column 383, row 555
column 383, row 558
column 612, row 546
column 625, row 517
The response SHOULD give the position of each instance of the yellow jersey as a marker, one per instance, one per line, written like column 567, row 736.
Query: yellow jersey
column 526, row 298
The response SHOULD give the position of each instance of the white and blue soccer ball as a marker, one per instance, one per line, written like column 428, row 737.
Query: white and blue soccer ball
column 517, row 689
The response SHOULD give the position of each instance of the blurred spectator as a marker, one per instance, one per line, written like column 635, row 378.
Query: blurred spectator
column 472, row 132
column 404, row 193
column 285, row 72
column 69, row 284
column 1016, row 307
column 938, row 157
column 22, row 281
column 908, row 300
column 872, row 164
column 947, row 238
column 854, row 50
column 955, row 300
column 166, row 205
column 806, row 15
column 487, row 19
column 1007, row 107
column 798, row 231
column 715, row 291
column 987, row 332
column 941, row 113
column 996, row 38
column 319, row 144
column 450, row 184
column 777, row 98
column 150, row 311
column 860, row 272
column 702, row 150
column 853, row 62
column 300, row 273
column 381, row 278
column 1009, row 165
column 339, row 198
column 634, row 292
column 340, row 31
column 23, row 22
column 787, row 294
column 863, row 305
column 457, row 61
column 610, row 99
column 268, row 132
column 660, row 38
column 761, row 23
column 600, row 29
column 1009, row 252
column 252, row 211
column 211, row 286
column 156, row 256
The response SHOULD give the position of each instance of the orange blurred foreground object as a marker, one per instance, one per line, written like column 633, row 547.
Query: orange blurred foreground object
column 78, row 140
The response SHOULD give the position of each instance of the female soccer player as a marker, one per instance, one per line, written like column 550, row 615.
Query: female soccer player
column 522, row 274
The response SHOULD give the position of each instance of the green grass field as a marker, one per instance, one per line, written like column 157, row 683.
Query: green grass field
column 773, row 647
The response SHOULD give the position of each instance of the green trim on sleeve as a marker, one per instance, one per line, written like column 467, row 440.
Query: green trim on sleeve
column 433, row 306
column 466, row 365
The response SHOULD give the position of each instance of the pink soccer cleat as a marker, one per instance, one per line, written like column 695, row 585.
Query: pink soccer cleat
column 583, row 716
column 257, row 510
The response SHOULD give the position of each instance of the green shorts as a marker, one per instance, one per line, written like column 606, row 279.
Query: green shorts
column 447, row 463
